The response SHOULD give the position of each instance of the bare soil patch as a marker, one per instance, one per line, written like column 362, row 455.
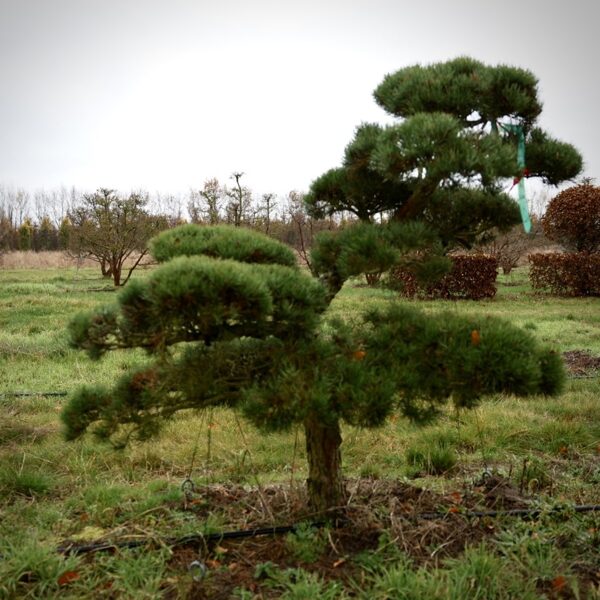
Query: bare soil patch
column 581, row 363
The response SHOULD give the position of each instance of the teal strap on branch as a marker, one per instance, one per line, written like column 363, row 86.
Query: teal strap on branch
column 518, row 130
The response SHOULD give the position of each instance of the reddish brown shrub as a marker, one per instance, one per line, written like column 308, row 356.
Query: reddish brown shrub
column 574, row 274
column 472, row 277
column 573, row 218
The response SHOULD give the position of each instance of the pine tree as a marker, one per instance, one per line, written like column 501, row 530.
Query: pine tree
column 26, row 231
column 64, row 233
column 453, row 152
column 47, row 235
column 228, row 319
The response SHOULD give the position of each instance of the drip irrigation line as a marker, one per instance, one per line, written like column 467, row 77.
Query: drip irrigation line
column 27, row 394
column 511, row 512
column 185, row 540
column 75, row 549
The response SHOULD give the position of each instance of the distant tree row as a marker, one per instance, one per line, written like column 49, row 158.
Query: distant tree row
column 29, row 235
column 113, row 229
column 42, row 214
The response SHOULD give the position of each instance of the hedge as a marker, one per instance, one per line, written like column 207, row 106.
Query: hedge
column 566, row 274
column 472, row 277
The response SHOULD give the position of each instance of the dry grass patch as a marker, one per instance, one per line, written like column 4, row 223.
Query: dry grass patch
column 50, row 259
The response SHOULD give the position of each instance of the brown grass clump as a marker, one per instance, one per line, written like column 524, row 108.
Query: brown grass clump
column 50, row 259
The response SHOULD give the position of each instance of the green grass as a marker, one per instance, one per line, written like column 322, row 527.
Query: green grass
column 51, row 490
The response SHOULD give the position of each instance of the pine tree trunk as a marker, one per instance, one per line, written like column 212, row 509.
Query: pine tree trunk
column 325, row 486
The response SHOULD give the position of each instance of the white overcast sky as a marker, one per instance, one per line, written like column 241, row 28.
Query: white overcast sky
column 163, row 94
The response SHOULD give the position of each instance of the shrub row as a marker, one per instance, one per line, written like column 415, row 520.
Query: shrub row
column 472, row 277
column 568, row 274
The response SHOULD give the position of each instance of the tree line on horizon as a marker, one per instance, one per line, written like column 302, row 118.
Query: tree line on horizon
column 45, row 219
column 461, row 132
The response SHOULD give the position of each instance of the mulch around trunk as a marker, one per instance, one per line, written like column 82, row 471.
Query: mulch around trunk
column 374, row 506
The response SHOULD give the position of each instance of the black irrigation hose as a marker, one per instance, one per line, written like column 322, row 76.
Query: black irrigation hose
column 512, row 512
column 247, row 533
column 27, row 394
column 182, row 541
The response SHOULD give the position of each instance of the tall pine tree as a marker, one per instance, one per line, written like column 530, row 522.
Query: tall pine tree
column 452, row 155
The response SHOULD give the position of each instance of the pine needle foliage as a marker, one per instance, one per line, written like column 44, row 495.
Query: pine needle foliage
column 220, row 241
column 364, row 248
column 452, row 151
column 223, row 332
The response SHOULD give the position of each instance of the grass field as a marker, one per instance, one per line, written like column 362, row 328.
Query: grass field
column 508, row 453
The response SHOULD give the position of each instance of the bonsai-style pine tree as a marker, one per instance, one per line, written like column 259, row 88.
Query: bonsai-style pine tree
column 228, row 319
column 462, row 131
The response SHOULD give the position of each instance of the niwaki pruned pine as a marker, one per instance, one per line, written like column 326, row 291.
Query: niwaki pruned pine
column 231, row 330
column 451, row 156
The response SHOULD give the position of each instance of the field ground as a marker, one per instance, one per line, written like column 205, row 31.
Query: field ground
column 534, row 453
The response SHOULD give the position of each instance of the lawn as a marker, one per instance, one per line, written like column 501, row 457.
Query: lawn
column 535, row 454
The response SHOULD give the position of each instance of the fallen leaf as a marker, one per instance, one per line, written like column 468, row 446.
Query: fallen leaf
column 67, row 577
column 558, row 583
column 339, row 563
column 475, row 337
column 213, row 564
column 456, row 497
column 359, row 354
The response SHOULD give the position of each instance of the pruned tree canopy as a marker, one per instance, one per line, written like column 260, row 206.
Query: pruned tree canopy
column 223, row 329
column 453, row 151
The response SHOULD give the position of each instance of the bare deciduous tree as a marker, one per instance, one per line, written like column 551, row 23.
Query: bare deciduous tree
column 240, row 200
column 205, row 205
column 265, row 211
column 110, row 229
column 510, row 246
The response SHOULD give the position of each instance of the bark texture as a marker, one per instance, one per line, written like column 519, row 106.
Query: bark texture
column 326, row 490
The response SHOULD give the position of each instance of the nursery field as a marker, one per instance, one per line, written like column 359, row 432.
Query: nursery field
column 494, row 503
